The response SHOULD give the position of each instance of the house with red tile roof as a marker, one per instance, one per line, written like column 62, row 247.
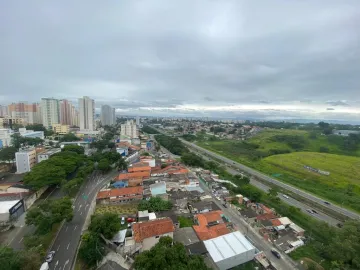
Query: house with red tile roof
column 169, row 170
column 120, row 195
column 126, row 176
column 144, row 168
column 210, row 225
column 148, row 233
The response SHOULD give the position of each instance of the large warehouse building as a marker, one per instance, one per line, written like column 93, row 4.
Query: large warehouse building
column 10, row 210
column 230, row 250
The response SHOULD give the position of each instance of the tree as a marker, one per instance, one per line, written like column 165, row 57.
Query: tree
column 145, row 154
column 69, row 137
column 9, row 259
column 71, row 186
column 122, row 165
column 8, row 153
column 17, row 140
column 107, row 224
column 44, row 174
column 74, row 148
column 104, row 165
column 324, row 149
column 47, row 213
column 166, row 255
column 273, row 192
column 155, row 204
column 91, row 251
column 111, row 145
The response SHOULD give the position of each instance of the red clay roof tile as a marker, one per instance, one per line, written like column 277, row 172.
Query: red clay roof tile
column 146, row 229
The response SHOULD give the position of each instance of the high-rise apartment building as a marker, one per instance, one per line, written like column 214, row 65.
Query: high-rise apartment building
column 107, row 115
column 86, row 113
column 29, row 112
column 137, row 120
column 65, row 112
column 129, row 129
column 3, row 110
column 50, row 110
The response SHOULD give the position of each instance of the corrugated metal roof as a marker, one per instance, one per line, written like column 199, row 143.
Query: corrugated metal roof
column 227, row 246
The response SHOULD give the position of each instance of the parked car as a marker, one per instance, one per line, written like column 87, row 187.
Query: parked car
column 50, row 256
column 285, row 196
column 122, row 220
column 277, row 254
column 129, row 220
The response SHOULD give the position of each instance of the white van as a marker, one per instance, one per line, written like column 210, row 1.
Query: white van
column 285, row 196
column 44, row 266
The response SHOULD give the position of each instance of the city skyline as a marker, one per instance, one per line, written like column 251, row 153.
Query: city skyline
column 224, row 60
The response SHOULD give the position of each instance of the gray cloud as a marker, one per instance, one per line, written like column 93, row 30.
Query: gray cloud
column 166, row 54
column 338, row 103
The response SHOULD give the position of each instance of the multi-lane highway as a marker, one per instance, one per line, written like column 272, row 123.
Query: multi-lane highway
column 264, row 177
column 67, row 240
column 289, row 200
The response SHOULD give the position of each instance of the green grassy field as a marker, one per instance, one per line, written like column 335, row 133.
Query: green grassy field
column 121, row 209
column 342, row 186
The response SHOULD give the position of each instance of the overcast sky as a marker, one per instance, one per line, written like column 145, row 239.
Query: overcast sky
column 223, row 58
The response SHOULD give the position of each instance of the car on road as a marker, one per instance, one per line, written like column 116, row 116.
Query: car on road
column 315, row 212
column 224, row 204
column 50, row 256
column 276, row 253
column 285, row 196
column 311, row 211
column 327, row 203
column 122, row 220
column 218, row 198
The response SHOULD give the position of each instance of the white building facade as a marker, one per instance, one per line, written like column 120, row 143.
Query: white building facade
column 107, row 115
column 5, row 137
column 129, row 129
column 25, row 160
column 50, row 110
column 87, row 113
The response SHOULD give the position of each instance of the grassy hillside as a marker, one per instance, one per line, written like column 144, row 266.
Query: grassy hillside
column 283, row 153
column 341, row 186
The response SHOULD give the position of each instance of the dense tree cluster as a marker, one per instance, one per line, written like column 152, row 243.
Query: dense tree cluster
column 17, row 141
column 69, row 137
column 296, row 142
column 74, row 148
column 149, row 130
column 155, row 204
column 48, row 213
column 217, row 129
column 189, row 137
column 54, row 170
column 106, row 224
column 20, row 260
column 92, row 250
column 8, row 153
column 167, row 255
column 174, row 145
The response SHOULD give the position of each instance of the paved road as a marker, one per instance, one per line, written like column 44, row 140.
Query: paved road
column 66, row 242
column 261, row 244
column 319, row 215
column 262, row 176
column 21, row 230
